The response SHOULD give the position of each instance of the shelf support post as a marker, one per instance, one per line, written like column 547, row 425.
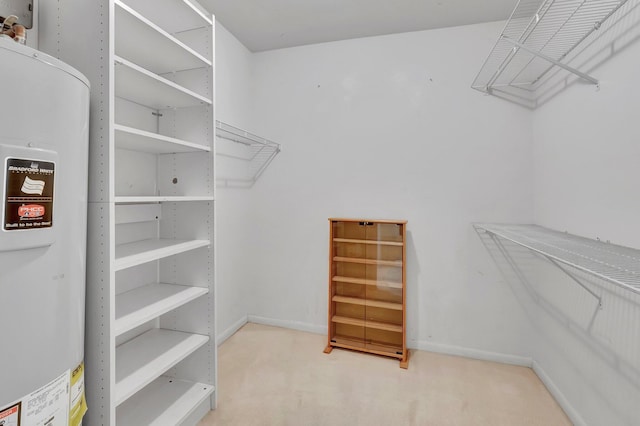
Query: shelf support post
column 553, row 61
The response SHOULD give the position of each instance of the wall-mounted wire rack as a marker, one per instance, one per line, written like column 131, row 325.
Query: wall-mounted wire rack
column 539, row 36
column 613, row 263
column 249, row 155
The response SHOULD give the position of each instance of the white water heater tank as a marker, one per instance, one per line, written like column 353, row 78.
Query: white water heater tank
column 44, row 123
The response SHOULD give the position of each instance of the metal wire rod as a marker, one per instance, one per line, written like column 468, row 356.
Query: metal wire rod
column 580, row 283
column 553, row 61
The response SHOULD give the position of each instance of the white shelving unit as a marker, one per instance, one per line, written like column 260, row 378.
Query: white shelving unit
column 612, row 263
column 248, row 154
column 151, row 353
column 540, row 36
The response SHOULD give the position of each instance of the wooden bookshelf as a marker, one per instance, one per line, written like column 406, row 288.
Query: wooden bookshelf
column 367, row 296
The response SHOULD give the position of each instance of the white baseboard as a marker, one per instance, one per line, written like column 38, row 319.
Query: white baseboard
column 294, row 325
column 470, row 353
column 562, row 400
column 231, row 330
column 421, row 345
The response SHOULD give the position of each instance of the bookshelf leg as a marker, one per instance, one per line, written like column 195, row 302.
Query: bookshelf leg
column 404, row 363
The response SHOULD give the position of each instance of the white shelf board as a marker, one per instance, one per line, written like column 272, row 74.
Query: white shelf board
column 135, row 307
column 142, row 360
column 165, row 401
column 173, row 15
column 140, row 40
column 140, row 140
column 616, row 264
column 142, row 199
column 139, row 85
column 139, row 252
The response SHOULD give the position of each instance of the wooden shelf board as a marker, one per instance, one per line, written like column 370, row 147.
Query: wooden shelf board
column 372, row 347
column 145, row 358
column 160, row 198
column 387, row 221
column 367, row 324
column 139, row 252
column 140, row 140
column 368, row 261
column 139, row 85
column 364, row 281
column 140, row 40
column 135, row 307
column 368, row 302
column 372, row 242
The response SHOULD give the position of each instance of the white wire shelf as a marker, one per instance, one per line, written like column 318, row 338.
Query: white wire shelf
column 539, row 35
column 613, row 263
column 254, row 153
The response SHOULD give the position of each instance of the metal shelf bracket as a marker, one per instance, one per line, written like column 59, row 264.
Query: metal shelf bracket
column 573, row 277
column 551, row 60
column 576, row 280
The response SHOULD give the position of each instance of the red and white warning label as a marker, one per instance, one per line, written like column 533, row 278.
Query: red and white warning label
column 10, row 416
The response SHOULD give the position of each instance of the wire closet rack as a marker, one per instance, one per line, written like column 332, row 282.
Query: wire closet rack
column 538, row 37
column 249, row 158
column 613, row 263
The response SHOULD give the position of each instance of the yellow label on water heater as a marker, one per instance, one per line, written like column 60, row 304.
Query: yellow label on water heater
column 77, row 400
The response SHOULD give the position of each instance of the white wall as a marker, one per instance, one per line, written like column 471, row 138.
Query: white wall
column 388, row 127
column 233, row 212
column 586, row 151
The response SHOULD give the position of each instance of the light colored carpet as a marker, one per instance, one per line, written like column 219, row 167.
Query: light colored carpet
column 276, row 376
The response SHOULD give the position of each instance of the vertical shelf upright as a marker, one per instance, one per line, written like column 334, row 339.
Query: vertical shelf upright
column 150, row 329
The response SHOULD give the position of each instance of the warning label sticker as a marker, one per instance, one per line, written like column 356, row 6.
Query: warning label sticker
column 49, row 405
column 28, row 195
column 10, row 416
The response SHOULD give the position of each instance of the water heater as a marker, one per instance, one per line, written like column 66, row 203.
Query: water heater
column 44, row 123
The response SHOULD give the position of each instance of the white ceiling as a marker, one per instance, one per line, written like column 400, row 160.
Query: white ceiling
column 273, row 24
